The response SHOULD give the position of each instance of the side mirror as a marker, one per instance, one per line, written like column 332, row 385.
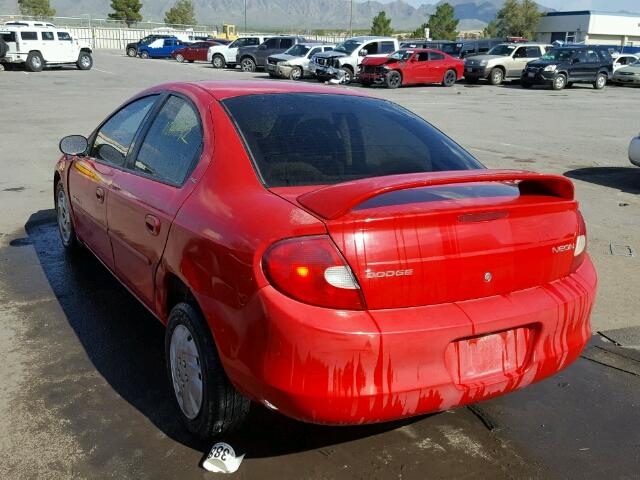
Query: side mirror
column 73, row 145
column 363, row 52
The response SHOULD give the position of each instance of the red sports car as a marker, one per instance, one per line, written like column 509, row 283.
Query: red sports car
column 326, row 254
column 193, row 52
column 411, row 66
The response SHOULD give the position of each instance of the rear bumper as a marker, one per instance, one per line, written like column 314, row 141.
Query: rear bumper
column 14, row 58
column 349, row 367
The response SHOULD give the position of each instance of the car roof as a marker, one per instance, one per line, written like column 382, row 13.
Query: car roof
column 366, row 38
column 223, row 89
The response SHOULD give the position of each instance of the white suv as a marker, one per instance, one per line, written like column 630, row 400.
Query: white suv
column 222, row 56
column 39, row 46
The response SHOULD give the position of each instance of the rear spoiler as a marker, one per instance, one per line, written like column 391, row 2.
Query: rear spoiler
column 334, row 201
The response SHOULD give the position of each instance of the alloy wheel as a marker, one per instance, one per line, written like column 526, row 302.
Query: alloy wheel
column 186, row 371
column 64, row 219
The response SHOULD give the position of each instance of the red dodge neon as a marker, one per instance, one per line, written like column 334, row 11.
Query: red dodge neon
column 411, row 66
column 329, row 255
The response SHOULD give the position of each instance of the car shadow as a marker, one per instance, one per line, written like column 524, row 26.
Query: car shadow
column 625, row 179
column 125, row 343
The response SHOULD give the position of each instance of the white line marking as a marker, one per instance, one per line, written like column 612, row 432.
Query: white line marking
column 104, row 71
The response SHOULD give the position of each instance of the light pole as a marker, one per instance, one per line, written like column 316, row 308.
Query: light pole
column 351, row 20
column 245, row 16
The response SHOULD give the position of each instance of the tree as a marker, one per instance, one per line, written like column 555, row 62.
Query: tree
column 518, row 19
column 126, row 10
column 36, row 8
column 491, row 30
column 419, row 32
column 182, row 13
column 381, row 25
column 443, row 24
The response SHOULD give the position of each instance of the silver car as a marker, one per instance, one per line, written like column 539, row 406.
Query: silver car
column 294, row 63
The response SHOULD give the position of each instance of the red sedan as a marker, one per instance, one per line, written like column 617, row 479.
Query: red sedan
column 411, row 66
column 195, row 51
column 302, row 260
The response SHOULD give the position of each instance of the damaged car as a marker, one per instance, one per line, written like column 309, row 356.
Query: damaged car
column 294, row 63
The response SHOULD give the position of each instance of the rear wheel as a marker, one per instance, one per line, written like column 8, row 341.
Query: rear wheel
column 394, row 79
column 209, row 405
column 64, row 221
column 449, row 79
column 85, row 61
column 180, row 58
column 248, row 65
column 144, row 54
column 496, row 77
column 296, row 73
column 35, row 62
column 132, row 52
column 218, row 61
column 559, row 82
column 600, row 81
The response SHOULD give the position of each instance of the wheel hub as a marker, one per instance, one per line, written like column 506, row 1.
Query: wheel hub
column 64, row 221
column 186, row 372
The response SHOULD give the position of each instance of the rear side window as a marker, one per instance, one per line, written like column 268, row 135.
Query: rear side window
column 173, row 143
column 29, row 35
column 592, row 56
column 314, row 139
column 114, row 138
column 64, row 36
column 533, row 52
column 436, row 56
column 47, row 36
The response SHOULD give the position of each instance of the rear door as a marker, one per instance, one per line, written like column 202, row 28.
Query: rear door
column 91, row 177
column 436, row 65
column 592, row 65
column 146, row 196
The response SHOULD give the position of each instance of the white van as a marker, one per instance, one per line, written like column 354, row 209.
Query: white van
column 39, row 46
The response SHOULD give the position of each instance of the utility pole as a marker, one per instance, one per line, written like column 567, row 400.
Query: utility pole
column 351, row 20
column 245, row 16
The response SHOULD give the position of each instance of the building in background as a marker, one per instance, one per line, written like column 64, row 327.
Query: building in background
column 590, row 27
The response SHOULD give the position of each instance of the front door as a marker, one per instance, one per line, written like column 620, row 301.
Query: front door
column 518, row 61
column 147, row 194
column 68, row 50
column 91, row 177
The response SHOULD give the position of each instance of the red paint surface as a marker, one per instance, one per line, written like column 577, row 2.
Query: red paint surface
column 436, row 339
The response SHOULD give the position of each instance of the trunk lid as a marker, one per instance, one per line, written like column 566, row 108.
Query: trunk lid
column 449, row 236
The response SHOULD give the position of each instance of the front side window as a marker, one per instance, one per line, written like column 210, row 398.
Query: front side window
column 114, row 138
column 314, row 51
column 317, row 139
column 47, row 36
column 172, row 144
column 64, row 36
column 29, row 35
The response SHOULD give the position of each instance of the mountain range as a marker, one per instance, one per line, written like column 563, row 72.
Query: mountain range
column 291, row 14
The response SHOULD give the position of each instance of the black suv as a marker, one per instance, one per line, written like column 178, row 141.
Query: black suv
column 563, row 66
column 255, row 56
column 132, row 48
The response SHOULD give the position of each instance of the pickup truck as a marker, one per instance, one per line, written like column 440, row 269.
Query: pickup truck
column 222, row 56
column 253, row 57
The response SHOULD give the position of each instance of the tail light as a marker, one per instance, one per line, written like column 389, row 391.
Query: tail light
column 311, row 270
column 580, row 250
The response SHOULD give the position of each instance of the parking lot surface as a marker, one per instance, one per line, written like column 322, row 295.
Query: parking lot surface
column 82, row 385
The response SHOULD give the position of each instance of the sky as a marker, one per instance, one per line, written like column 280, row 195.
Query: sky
column 604, row 5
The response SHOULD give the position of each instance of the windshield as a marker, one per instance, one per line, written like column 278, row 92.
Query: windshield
column 503, row 50
column 319, row 139
column 298, row 50
column 558, row 54
column 401, row 55
column 347, row 47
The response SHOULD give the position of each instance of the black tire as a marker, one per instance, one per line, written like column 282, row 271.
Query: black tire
column 67, row 232
column 450, row 78
column 600, row 82
column 218, row 61
column 348, row 75
column 471, row 80
column 132, row 52
column 191, row 61
column 393, row 79
column 35, row 62
column 223, row 409
column 85, row 61
column 559, row 82
column 296, row 73
column 496, row 77
column 569, row 84
column 248, row 64
column 144, row 54
column 272, row 75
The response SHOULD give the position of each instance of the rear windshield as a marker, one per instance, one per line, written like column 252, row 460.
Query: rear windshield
column 317, row 139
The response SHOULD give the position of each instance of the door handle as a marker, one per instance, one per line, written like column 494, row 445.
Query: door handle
column 153, row 224
column 100, row 195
